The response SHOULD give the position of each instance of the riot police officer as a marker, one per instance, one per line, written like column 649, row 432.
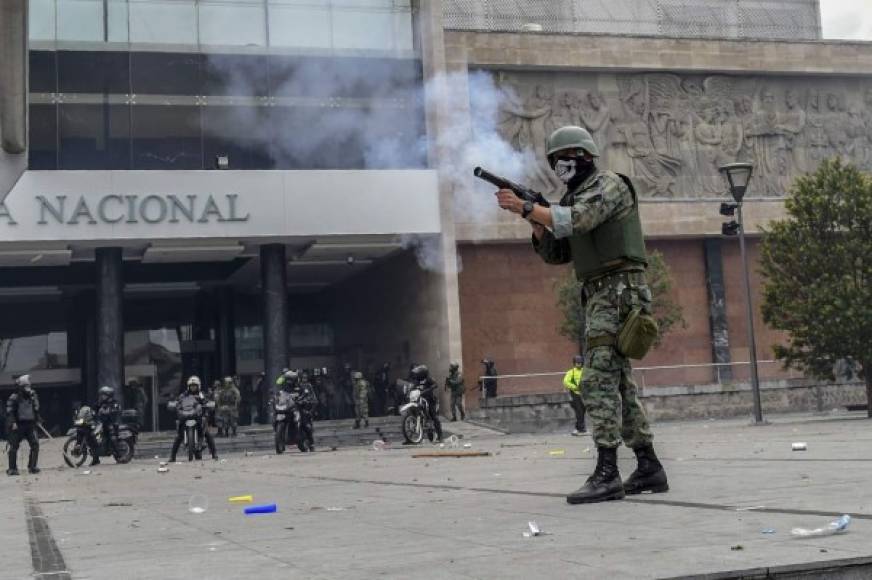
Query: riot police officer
column 428, row 388
column 22, row 414
column 193, row 395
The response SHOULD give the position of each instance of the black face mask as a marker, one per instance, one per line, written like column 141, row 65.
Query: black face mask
column 584, row 169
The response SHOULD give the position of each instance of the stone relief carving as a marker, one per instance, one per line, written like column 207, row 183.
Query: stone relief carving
column 671, row 132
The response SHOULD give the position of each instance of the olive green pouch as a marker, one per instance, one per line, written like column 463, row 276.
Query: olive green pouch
column 637, row 335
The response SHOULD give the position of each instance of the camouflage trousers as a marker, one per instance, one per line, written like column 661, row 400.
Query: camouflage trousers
column 228, row 418
column 361, row 409
column 457, row 405
column 608, row 390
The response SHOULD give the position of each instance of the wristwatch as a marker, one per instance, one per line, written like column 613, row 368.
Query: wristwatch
column 528, row 209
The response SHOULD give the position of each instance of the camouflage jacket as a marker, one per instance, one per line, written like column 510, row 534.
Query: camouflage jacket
column 601, row 196
column 454, row 383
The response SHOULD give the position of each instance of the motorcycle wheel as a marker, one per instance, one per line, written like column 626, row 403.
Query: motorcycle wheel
column 281, row 438
column 75, row 454
column 413, row 429
column 191, row 437
column 123, row 451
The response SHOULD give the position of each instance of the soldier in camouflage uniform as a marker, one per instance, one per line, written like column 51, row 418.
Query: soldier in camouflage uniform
column 455, row 385
column 596, row 227
column 361, row 399
column 227, row 397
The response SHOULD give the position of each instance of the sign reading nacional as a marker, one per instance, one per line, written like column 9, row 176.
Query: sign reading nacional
column 106, row 205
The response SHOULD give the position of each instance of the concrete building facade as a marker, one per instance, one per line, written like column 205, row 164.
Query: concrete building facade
column 238, row 186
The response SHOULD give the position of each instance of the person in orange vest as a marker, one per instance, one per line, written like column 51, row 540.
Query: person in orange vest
column 572, row 382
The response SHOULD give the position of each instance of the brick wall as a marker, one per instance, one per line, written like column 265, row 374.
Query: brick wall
column 508, row 312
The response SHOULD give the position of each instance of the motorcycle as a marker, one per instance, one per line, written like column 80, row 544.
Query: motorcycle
column 192, row 415
column 285, row 417
column 76, row 451
column 416, row 416
column 292, row 423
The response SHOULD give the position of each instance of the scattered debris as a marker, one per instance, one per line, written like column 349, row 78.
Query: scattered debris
column 467, row 445
column 336, row 509
column 767, row 531
column 737, row 547
column 222, row 461
column 534, row 528
column 750, row 508
column 557, row 452
column 118, row 504
column 799, row 446
column 241, row 499
column 834, row 527
column 198, row 504
column 452, row 454
column 378, row 445
column 86, row 472
column 162, row 469
column 269, row 508
column 586, row 450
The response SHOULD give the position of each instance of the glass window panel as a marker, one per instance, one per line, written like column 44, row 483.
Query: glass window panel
column 299, row 23
column 239, row 132
column 163, row 21
column 166, row 137
column 94, row 136
column 235, row 75
column 232, row 22
column 43, row 142
column 43, row 71
column 41, row 20
column 93, row 72
column 363, row 30
column 117, row 19
column 80, row 20
column 165, row 73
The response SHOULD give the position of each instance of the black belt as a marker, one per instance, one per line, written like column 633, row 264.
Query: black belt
column 628, row 277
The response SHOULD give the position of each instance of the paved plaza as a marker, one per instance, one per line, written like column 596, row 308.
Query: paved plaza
column 361, row 513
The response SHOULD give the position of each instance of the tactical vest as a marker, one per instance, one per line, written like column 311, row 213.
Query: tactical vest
column 26, row 411
column 613, row 245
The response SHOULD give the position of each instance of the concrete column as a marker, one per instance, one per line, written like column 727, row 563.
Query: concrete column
column 13, row 93
column 714, row 281
column 430, row 42
column 226, row 343
column 13, row 76
column 274, row 286
column 110, row 320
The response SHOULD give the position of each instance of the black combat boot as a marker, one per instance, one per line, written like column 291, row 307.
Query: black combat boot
column 95, row 460
column 13, row 464
column 649, row 475
column 605, row 482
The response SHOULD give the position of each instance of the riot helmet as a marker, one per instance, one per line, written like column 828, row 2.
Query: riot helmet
column 194, row 384
column 578, row 360
column 420, row 372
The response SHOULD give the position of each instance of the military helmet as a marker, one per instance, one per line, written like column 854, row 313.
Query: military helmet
column 421, row 372
column 578, row 359
column 290, row 375
column 571, row 137
column 105, row 392
column 23, row 381
column 357, row 375
column 453, row 367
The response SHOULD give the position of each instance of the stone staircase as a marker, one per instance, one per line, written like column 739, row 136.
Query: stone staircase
column 259, row 438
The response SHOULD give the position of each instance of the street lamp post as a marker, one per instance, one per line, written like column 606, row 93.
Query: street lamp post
column 738, row 175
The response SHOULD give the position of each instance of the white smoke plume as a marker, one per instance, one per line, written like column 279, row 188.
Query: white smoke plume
column 367, row 113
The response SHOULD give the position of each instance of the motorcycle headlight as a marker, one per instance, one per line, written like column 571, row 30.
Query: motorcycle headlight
column 79, row 422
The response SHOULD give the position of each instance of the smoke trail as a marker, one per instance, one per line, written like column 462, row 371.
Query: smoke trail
column 369, row 113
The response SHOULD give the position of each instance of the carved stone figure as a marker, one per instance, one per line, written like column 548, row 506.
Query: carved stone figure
column 672, row 132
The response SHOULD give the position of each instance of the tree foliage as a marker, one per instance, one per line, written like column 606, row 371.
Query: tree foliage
column 667, row 312
column 817, row 265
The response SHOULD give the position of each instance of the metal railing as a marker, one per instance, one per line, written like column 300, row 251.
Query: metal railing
column 768, row 19
column 684, row 375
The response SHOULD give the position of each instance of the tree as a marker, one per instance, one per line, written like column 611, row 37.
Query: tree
column 667, row 312
column 817, row 265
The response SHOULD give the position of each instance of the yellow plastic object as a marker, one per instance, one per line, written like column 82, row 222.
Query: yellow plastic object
column 241, row 499
column 557, row 452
